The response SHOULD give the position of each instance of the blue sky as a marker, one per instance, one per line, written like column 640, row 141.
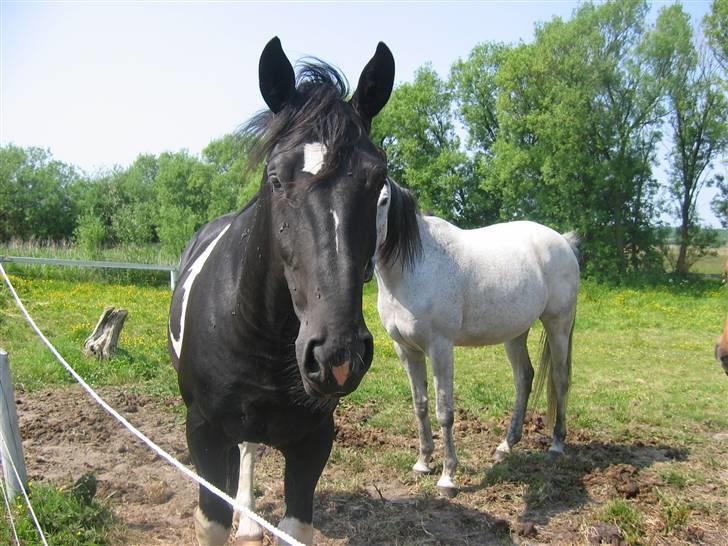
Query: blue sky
column 98, row 83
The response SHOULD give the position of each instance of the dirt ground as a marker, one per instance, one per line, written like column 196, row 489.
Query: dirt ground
column 530, row 499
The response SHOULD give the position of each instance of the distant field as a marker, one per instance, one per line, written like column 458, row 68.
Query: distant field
column 712, row 264
column 644, row 375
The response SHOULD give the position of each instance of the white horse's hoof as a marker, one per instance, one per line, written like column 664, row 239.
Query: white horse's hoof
column 421, row 468
column 447, row 487
column 500, row 456
column 502, row 451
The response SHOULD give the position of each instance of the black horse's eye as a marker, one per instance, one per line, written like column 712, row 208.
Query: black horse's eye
column 275, row 182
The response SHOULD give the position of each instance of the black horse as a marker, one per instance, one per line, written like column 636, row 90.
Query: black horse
column 266, row 329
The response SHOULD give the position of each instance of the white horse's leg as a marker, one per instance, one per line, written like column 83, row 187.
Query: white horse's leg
column 249, row 532
column 441, row 355
column 517, row 352
column 558, row 331
column 414, row 362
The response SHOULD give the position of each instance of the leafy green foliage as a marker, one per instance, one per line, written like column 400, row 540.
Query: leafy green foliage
column 716, row 30
column 37, row 195
column 577, row 112
column 417, row 131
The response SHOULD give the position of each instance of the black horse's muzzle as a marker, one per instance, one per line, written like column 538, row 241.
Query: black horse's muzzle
column 333, row 369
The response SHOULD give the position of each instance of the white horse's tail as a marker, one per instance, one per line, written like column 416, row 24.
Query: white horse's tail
column 545, row 369
column 572, row 237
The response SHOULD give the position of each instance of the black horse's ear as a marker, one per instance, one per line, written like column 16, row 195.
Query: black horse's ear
column 276, row 77
column 375, row 84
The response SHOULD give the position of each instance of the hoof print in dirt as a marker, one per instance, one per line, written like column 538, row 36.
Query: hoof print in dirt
column 605, row 533
column 525, row 529
column 500, row 527
column 628, row 490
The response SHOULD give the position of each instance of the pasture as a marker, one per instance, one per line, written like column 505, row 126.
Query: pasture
column 647, row 443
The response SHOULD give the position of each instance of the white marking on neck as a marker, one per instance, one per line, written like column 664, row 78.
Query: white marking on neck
column 313, row 157
column 336, row 229
column 186, row 287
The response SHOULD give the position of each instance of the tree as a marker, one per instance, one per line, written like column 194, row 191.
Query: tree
column 183, row 194
column 416, row 129
column 698, row 119
column 37, row 195
column 716, row 30
column 578, row 124
column 231, row 185
column 475, row 91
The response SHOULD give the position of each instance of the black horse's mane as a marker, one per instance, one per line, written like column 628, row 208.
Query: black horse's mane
column 403, row 241
column 318, row 112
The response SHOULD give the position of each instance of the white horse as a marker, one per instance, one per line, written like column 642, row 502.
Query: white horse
column 441, row 286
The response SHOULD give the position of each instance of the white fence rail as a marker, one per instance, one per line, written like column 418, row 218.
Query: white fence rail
column 172, row 269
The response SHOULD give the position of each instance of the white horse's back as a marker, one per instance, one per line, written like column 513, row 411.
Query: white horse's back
column 480, row 286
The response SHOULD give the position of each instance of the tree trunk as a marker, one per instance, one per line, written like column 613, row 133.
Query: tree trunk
column 682, row 263
column 103, row 340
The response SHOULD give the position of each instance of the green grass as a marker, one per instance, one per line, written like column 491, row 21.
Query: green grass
column 627, row 517
column 643, row 371
column 643, row 356
column 67, row 519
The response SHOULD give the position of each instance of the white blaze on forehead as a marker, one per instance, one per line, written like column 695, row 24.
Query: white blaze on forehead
column 313, row 157
column 191, row 276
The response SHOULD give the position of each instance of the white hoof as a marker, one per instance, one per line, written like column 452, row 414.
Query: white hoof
column 502, row 451
column 447, row 487
column 421, row 467
column 209, row 533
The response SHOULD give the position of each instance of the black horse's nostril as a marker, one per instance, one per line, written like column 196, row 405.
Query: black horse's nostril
column 311, row 364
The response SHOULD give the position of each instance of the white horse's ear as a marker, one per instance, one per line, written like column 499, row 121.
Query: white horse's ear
column 382, row 216
column 384, row 195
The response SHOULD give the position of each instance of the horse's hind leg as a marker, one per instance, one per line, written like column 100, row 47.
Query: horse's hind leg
column 441, row 354
column 558, row 332
column 249, row 532
column 414, row 361
column 213, row 458
column 517, row 352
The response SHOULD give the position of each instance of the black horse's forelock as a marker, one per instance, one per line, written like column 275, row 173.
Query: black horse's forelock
column 403, row 241
column 318, row 112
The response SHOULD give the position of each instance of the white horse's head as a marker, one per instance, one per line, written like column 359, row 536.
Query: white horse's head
column 398, row 234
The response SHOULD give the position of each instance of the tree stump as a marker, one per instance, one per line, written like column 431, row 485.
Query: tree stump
column 102, row 341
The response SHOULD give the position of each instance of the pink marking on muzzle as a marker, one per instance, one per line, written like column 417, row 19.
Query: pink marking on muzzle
column 341, row 372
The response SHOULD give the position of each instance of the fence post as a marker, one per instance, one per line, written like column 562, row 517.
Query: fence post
column 13, row 455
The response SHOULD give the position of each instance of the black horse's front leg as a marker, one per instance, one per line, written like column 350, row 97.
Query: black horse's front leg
column 304, row 463
column 216, row 460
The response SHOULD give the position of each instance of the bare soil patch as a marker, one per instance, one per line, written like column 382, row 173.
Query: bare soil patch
column 366, row 498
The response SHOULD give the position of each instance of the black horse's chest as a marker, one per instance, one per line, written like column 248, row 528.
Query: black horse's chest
column 272, row 424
